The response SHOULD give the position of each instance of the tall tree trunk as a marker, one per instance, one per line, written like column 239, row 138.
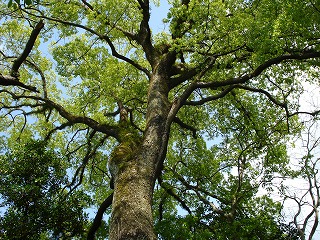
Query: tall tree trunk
column 132, row 200
column 135, row 175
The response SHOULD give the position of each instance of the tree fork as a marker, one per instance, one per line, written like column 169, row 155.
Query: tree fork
column 135, row 175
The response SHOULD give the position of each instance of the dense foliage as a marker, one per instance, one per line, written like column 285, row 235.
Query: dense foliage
column 185, row 132
column 35, row 205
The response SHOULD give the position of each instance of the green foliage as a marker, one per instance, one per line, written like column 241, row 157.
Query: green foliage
column 227, row 142
column 257, row 219
column 31, row 180
column 16, row 3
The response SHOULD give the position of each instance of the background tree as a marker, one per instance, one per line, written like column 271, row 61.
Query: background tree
column 35, row 205
column 304, row 197
column 196, row 116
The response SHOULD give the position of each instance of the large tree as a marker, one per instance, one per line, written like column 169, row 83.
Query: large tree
column 196, row 115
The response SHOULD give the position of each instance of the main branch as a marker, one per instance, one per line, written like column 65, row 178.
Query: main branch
column 32, row 39
column 103, row 128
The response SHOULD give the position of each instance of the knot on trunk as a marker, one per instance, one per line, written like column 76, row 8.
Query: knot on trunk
column 124, row 152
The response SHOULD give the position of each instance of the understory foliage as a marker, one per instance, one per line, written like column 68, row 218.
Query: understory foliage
column 180, row 125
column 34, row 203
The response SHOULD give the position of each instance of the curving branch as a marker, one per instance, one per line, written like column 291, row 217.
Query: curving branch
column 43, row 78
column 109, row 130
column 186, row 126
column 169, row 190
column 13, row 81
column 313, row 114
column 90, row 153
column 61, row 127
column 99, row 35
column 239, row 86
column 103, row 128
column 17, row 63
column 198, row 189
column 211, row 98
column 98, row 218
column 207, row 64
column 188, row 74
column 6, row 80
column 144, row 34
column 231, row 83
column 214, row 208
column 130, row 35
column 121, row 57
column 307, row 198
column 13, row 116
column 255, row 73
column 234, row 82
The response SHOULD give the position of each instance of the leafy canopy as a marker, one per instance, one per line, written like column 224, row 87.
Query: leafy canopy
column 234, row 73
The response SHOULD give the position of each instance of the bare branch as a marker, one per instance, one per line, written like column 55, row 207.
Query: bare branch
column 313, row 114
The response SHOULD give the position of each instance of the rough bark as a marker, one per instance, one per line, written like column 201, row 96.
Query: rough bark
column 131, row 208
column 135, row 174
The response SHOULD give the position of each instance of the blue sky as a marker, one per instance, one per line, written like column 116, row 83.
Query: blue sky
column 157, row 15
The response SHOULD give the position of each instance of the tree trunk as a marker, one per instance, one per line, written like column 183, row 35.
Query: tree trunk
column 135, row 175
column 132, row 200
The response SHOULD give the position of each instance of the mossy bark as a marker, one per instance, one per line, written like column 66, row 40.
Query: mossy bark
column 132, row 201
column 131, row 208
column 135, row 173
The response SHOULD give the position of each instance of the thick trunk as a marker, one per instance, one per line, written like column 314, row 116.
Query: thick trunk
column 131, row 207
column 135, row 172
